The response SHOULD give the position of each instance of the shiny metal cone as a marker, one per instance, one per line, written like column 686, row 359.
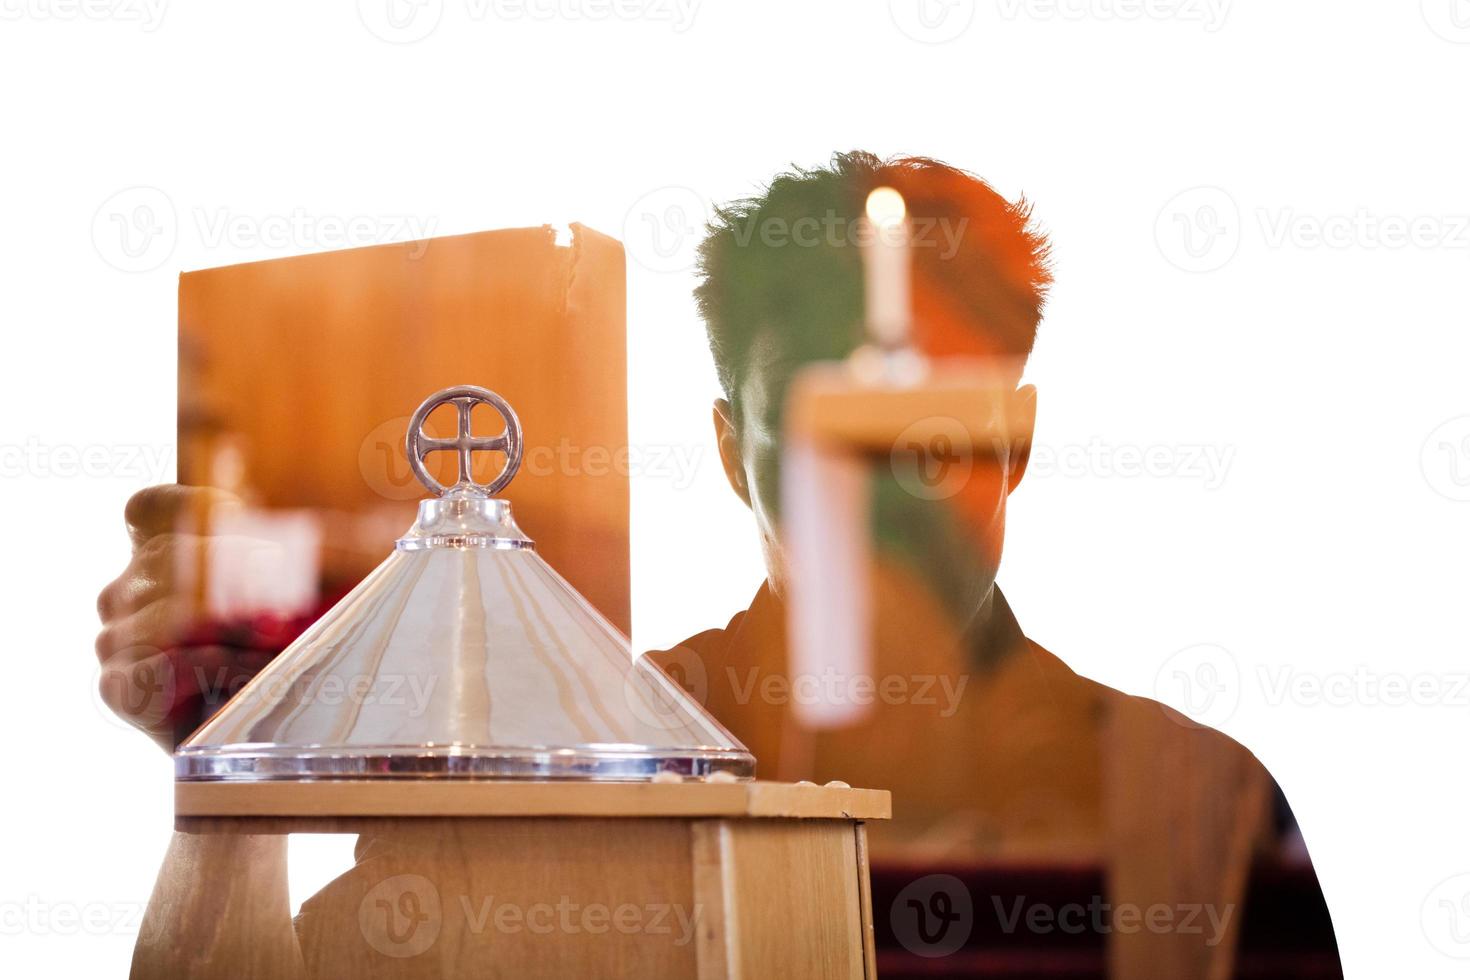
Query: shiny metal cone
column 463, row 655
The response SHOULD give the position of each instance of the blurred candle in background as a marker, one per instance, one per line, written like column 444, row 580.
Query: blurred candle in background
column 886, row 270
column 824, row 488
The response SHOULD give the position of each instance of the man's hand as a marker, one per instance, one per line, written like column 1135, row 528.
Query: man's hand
column 151, row 675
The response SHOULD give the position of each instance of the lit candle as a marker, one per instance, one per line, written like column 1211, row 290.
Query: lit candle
column 886, row 268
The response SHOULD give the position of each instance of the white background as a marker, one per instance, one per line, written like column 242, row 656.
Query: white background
column 1229, row 187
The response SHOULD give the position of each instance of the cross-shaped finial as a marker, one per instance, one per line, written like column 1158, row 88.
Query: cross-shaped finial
column 465, row 443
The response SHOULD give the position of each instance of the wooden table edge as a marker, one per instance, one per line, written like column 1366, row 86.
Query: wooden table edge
column 517, row 798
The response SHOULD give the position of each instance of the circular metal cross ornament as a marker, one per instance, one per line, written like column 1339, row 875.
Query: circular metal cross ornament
column 465, row 444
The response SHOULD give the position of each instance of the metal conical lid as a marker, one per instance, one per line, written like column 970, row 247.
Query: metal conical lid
column 463, row 655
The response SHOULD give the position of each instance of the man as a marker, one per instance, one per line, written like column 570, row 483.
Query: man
column 994, row 749
column 773, row 302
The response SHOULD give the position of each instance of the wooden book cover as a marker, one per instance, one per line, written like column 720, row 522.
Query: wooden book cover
column 297, row 377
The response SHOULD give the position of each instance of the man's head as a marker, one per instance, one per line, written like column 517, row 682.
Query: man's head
column 782, row 287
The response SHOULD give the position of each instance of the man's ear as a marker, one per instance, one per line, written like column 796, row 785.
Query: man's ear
column 729, row 443
column 1023, row 426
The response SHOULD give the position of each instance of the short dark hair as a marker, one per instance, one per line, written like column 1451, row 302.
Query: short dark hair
column 986, row 275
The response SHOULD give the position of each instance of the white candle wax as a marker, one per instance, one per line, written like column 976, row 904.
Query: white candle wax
column 886, row 269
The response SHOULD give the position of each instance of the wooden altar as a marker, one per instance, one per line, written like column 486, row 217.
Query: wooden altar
column 519, row 880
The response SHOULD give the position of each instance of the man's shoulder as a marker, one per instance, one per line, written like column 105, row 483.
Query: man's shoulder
column 705, row 643
column 752, row 634
column 1131, row 719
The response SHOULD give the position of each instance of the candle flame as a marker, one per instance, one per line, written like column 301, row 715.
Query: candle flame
column 885, row 207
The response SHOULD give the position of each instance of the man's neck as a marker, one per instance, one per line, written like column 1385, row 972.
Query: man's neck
column 993, row 634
